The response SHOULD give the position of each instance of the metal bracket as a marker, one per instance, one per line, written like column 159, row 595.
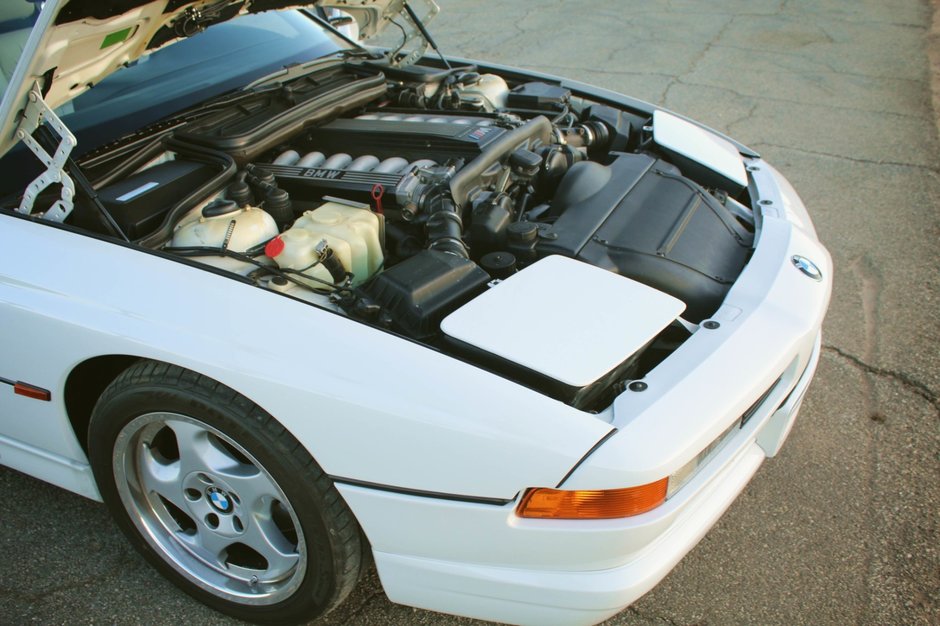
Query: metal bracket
column 402, row 56
column 36, row 113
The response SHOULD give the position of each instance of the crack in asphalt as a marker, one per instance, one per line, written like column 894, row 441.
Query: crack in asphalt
column 693, row 64
column 903, row 378
column 870, row 289
column 351, row 618
column 926, row 168
column 805, row 103
column 647, row 616
column 744, row 118
column 807, row 58
column 41, row 595
column 552, row 68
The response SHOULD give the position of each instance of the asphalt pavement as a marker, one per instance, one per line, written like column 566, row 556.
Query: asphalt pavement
column 842, row 527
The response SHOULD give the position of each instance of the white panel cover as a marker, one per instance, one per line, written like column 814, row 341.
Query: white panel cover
column 565, row 319
column 699, row 145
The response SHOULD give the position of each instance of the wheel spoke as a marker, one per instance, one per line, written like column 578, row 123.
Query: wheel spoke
column 263, row 536
column 255, row 489
column 163, row 479
column 199, row 450
column 208, row 545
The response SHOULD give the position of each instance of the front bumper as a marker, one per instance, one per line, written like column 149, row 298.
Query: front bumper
column 541, row 593
column 528, row 596
column 483, row 561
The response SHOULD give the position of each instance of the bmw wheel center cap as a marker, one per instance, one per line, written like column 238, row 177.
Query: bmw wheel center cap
column 220, row 500
column 807, row 267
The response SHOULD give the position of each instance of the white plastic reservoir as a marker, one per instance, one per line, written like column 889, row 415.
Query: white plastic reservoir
column 490, row 91
column 238, row 229
column 352, row 232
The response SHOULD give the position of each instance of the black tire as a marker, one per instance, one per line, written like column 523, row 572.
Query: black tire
column 309, row 548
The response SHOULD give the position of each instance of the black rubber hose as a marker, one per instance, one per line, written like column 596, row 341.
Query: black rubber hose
column 464, row 180
column 165, row 232
column 131, row 164
column 444, row 225
column 445, row 231
column 333, row 265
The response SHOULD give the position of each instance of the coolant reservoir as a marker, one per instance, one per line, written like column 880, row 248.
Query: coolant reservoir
column 352, row 232
column 222, row 223
column 489, row 92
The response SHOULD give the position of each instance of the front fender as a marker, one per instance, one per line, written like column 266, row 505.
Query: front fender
column 369, row 406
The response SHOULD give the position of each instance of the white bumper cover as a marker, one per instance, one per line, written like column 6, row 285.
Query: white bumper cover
column 542, row 592
column 483, row 561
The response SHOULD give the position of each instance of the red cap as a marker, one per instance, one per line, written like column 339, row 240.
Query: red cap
column 274, row 247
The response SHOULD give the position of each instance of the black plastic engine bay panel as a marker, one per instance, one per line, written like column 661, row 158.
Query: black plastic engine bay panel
column 639, row 217
column 271, row 116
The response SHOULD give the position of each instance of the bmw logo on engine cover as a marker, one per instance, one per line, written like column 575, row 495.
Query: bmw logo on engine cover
column 807, row 267
column 219, row 499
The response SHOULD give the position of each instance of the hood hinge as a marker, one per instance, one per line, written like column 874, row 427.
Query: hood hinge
column 415, row 37
column 35, row 113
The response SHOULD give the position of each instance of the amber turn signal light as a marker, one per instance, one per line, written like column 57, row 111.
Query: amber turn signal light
column 599, row 504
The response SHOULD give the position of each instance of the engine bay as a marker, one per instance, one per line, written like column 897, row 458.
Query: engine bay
column 396, row 198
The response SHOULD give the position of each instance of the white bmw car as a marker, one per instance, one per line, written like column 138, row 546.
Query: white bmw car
column 288, row 305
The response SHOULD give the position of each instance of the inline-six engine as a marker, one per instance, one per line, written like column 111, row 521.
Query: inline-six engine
column 398, row 205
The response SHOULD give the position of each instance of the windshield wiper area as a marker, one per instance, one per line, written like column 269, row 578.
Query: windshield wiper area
column 298, row 70
column 272, row 82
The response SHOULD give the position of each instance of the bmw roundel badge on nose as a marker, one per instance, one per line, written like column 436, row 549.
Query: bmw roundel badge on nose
column 807, row 267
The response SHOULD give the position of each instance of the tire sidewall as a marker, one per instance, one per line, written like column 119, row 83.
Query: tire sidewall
column 239, row 420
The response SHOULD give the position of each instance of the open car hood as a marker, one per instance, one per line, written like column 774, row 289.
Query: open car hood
column 77, row 43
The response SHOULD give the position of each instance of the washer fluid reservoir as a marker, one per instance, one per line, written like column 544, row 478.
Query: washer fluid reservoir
column 351, row 232
column 223, row 223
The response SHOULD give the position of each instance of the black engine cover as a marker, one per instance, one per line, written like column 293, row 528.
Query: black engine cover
column 641, row 218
